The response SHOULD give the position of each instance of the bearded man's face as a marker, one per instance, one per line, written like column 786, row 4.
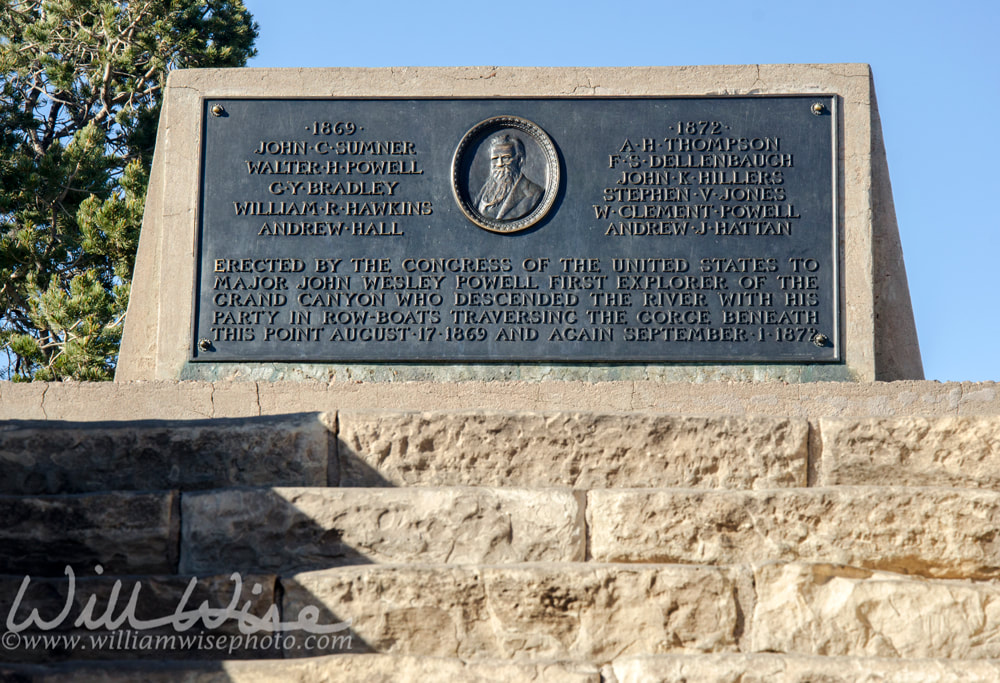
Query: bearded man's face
column 505, row 168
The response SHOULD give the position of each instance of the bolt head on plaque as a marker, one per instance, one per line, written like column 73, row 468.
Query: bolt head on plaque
column 505, row 174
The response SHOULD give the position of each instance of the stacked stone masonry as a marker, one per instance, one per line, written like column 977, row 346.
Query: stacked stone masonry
column 510, row 546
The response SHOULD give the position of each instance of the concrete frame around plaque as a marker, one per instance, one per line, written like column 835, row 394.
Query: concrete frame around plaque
column 878, row 331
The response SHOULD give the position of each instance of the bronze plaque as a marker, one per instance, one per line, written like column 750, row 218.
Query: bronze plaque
column 595, row 230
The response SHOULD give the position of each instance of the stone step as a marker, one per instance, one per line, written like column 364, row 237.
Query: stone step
column 578, row 450
column 536, row 611
column 585, row 612
column 48, row 619
column 775, row 668
column 593, row 450
column 935, row 532
column 943, row 451
column 598, row 612
column 579, row 611
column 51, row 457
column 928, row 531
column 357, row 667
column 124, row 532
column 291, row 529
column 820, row 609
column 721, row 668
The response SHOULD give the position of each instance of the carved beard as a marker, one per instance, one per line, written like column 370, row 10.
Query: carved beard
column 498, row 187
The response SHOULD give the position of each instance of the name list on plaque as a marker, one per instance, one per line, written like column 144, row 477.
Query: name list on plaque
column 518, row 230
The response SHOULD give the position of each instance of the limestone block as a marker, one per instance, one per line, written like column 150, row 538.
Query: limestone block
column 406, row 669
column 156, row 597
column 534, row 611
column 126, row 533
column 943, row 451
column 935, row 532
column 329, row 669
column 581, row 450
column 772, row 668
column 78, row 457
column 289, row 529
column 836, row 610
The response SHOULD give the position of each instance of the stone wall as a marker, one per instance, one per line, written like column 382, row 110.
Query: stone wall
column 848, row 535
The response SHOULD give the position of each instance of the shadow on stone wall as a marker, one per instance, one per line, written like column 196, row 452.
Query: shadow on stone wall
column 162, row 574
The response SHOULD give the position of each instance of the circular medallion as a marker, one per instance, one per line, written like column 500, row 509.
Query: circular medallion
column 505, row 174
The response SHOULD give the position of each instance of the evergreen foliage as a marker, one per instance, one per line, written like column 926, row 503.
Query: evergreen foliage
column 81, row 83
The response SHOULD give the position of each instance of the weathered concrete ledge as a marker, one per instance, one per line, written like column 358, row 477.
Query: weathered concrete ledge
column 291, row 529
column 171, row 400
column 935, row 532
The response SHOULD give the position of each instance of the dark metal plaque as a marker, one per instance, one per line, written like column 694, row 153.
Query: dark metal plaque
column 519, row 230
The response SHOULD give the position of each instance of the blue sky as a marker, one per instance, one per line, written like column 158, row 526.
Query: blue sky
column 937, row 78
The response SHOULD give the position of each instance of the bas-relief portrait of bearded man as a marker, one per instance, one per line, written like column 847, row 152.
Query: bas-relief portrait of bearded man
column 507, row 194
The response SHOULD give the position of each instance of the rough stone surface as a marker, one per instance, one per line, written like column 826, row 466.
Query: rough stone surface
column 771, row 668
column 546, row 611
column 126, row 533
column 581, row 450
column 947, row 451
column 157, row 597
column 934, row 532
column 329, row 669
column 293, row 529
column 839, row 623
column 836, row 610
column 50, row 457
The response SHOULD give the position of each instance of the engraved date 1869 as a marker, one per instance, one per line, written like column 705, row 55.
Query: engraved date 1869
column 333, row 128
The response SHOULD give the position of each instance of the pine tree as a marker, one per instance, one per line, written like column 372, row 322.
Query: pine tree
column 81, row 83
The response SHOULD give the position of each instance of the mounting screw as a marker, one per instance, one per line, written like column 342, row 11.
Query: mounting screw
column 820, row 340
column 217, row 110
column 204, row 344
column 818, row 108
